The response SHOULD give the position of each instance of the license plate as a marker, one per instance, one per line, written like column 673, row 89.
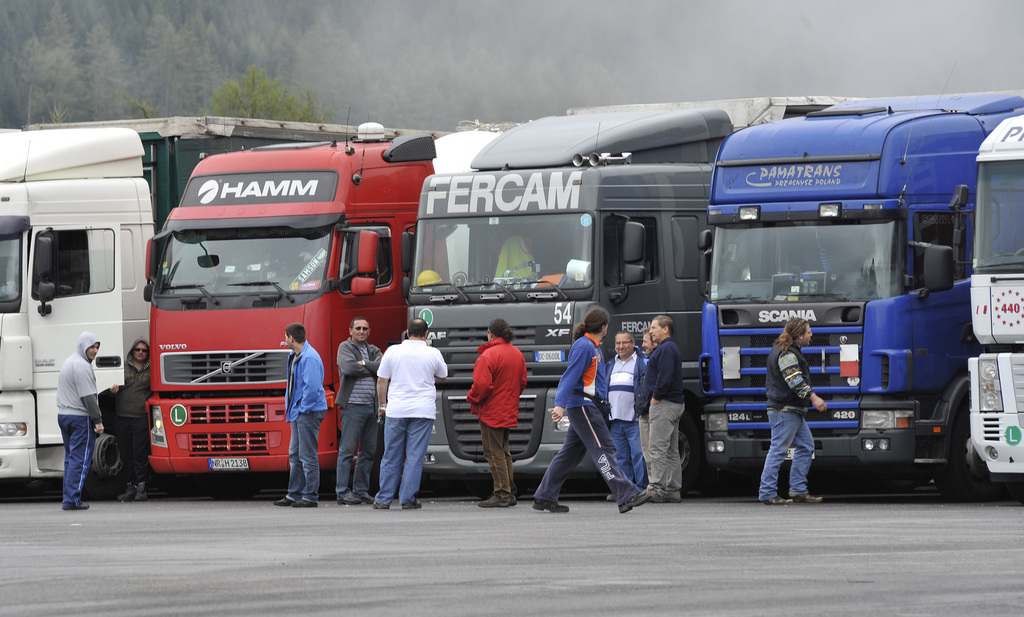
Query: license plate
column 550, row 356
column 790, row 452
column 228, row 464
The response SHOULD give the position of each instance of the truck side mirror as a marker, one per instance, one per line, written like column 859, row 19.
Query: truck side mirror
column 408, row 244
column 938, row 268
column 633, row 274
column 366, row 260
column 363, row 286
column 632, row 243
column 704, row 239
column 960, row 194
column 46, row 289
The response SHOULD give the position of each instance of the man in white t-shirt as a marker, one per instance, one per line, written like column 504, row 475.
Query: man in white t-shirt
column 406, row 390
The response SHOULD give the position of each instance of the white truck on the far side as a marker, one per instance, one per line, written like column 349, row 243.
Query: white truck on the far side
column 75, row 220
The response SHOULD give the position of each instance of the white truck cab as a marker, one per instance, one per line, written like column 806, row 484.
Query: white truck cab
column 75, row 219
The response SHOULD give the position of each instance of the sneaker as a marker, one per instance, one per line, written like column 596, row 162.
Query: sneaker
column 415, row 505
column 284, row 501
column 350, row 500
column 635, row 501
column 305, row 503
column 71, row 506
column 674, row 497
column 494, row 502
column 140, row 492
column 776, row 501
column 805, row 498
column 381, row 506
column 128, row 494
column 550, row 506
column 365, row 498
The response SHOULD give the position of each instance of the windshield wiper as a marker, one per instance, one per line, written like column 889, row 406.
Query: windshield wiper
column 264, row 283
column 185, row 299
column 449, row 298
column 561, row 291
column 826, row 296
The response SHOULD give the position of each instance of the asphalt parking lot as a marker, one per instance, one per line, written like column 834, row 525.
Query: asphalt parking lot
column 903, row 554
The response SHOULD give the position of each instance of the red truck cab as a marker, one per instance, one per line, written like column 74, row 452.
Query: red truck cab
column 263, row 238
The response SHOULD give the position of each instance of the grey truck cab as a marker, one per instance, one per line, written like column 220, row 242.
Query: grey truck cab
column 560, row 214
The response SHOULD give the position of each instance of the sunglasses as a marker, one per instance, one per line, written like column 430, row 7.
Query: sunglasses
column 361, row 328
column 141, row 349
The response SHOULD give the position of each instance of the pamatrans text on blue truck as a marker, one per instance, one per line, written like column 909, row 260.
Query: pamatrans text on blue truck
column 997, row 305
column 842, row 218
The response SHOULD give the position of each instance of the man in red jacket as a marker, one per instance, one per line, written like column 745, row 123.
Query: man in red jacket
column 499, row 378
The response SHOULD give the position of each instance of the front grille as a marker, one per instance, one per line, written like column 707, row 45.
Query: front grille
column 991, row 428
column 1017, row 372
column 815, row 432
column 227, row 414
column 464, row 429
column 227, row 367
column 228, row 443
column 754, row 350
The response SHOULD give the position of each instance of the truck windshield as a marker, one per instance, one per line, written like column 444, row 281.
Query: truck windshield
column 233, row 261
column 805, row 262
column 517, row 252
column 999, row 216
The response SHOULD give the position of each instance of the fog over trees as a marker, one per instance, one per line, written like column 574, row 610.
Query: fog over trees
column 430, row 64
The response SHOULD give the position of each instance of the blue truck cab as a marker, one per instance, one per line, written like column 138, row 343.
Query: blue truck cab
column 842, row 218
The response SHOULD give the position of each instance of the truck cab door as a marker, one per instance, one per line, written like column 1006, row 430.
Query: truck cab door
column 74, row 288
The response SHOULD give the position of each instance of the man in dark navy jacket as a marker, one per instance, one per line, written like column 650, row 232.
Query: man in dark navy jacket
column 665, row 380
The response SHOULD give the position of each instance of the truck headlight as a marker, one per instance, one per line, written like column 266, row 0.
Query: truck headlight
column 157, row 435
column 716, row 422
column 989, row 390
column 886, row 418
column 13, row 429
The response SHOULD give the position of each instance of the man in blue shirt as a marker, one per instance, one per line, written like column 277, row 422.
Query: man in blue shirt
column 305, row 408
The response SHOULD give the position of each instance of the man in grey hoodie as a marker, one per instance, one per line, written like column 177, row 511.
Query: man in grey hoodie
column 79, row 417
column 131, row 424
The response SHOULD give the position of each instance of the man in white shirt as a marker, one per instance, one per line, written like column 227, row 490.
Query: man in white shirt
column 406, row 390
column 623, row 372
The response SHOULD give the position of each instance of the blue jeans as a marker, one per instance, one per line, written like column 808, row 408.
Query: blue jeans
column 358, row 426
column 303, row 463
column 789, row 428
column 628, row 452
column 588, row 435
column 408, row 438
column 79, row 439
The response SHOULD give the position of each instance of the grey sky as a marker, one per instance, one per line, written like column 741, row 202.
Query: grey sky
column 524, row 59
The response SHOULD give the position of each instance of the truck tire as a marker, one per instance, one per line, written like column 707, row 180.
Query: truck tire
column 966, row 475
column 690, row 452
column 1016, row 490
column 107, row 473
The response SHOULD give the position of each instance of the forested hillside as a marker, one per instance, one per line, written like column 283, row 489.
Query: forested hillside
column 81, row 60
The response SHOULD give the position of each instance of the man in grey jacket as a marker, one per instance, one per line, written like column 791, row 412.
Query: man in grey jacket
column 357, row 396
column 79, row 417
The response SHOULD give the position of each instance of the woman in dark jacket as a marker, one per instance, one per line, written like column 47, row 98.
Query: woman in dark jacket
column 499, row 378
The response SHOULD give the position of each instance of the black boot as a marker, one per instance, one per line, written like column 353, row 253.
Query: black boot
column 140, row 492
column 130, row 491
